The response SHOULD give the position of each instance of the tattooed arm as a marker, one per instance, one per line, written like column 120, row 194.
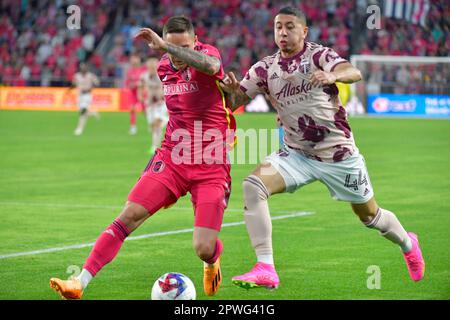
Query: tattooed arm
column 236, row 96
column 200, row 61
column 237, row 99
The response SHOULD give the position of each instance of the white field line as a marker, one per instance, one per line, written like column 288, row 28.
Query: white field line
column 144, row 236
column 100, row 206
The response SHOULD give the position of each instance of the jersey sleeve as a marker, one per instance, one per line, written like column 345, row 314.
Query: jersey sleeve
column 162, row 67
column 327, row 59
column 255, row 80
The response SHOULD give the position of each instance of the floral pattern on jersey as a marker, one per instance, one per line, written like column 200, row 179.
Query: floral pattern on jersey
column 261, row 73
column 310, row 130
column 340, row 121
column 331, row 90
column 340, row 153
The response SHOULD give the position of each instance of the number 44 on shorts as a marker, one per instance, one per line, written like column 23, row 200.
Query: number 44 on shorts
column 355, row 183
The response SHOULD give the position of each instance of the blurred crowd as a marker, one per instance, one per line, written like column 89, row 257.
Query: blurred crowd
column 407, row 78
column 37, row 48
column 400, row 37
column 241, row 30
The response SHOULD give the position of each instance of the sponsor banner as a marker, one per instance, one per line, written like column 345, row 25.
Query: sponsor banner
column 57, row 99
column 409, row 105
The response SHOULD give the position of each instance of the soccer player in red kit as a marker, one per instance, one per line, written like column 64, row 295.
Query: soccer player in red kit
column 132, row 78
column 190, row 73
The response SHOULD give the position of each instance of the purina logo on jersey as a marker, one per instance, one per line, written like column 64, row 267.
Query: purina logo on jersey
column 180, row 88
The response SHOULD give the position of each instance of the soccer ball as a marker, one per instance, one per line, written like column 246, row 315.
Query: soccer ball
column 173, row 286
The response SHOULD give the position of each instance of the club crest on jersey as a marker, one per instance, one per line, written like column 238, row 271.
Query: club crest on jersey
column 158, row 166
column 186, row 74
column 304, row 66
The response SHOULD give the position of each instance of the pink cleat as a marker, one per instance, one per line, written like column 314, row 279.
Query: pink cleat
column 414, row 259
column 262, row 275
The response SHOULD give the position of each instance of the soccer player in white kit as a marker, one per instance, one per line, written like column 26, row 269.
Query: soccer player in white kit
column 151, row 95
column 84, row 81
column 300, row 80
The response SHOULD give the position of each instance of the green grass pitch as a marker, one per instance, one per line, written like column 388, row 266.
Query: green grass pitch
column 59, row 190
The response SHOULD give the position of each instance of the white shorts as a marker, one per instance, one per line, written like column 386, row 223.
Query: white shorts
column 347, row 180
column 155, row 112
column 84, row 101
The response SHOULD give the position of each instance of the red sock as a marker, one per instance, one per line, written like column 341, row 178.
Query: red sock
column 106, row 247
column 132, row 117
column 217, row 252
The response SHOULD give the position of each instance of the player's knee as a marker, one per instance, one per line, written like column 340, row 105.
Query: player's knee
column 133, row 215
column 204, row 250
column 365, row 214
column 254, row 188
column 83, row 111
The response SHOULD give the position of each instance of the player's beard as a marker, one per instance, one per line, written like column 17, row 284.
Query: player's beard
column 286, row 48
column 289, row 48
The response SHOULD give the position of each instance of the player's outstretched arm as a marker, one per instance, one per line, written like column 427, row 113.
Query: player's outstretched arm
column 343, row 72
column 231, row 86
column 200, row 61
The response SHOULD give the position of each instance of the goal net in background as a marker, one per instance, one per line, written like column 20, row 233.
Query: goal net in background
column 401, row 85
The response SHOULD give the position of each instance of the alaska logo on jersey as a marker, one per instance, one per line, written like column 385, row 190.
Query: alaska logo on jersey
column 290, row 90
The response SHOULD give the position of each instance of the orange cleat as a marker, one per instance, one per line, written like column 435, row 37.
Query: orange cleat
column 68, row 289
column 212, row 278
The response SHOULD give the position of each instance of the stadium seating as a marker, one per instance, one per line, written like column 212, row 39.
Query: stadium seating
column 37, row 49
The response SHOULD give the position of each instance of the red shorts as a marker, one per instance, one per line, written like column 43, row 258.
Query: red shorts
column 209, row 185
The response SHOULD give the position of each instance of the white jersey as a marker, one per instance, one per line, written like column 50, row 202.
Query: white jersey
column 314, row 119
column 85, row 82
column 153, row 88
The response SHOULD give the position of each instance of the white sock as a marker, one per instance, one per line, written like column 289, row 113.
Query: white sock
column 257, row 218
column 390, row 228
column 82, row 122
column 85, row 277
column 265, row 258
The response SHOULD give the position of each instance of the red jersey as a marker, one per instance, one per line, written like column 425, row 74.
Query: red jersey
column 200, row 123
column 133, row 76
